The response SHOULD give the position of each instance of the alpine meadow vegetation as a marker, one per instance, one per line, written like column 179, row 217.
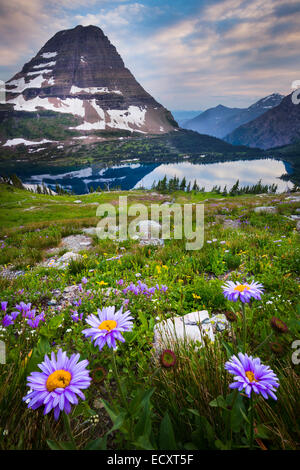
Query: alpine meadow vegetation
column 80, row 368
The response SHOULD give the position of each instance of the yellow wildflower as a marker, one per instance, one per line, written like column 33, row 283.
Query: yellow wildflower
column 195, row 296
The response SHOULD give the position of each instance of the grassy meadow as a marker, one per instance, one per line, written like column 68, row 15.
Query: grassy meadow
column 135, row 400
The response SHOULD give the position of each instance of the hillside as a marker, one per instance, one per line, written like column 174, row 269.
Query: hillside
column 277, row 127
column 221, row 120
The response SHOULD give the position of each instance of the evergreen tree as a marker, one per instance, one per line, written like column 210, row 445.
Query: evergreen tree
column 183, row 184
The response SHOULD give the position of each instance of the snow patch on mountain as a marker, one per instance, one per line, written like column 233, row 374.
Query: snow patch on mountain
column 69, row 105
column 40, row 72
column 13, row 142
column 45, row 64
column 92, row 90
column 115, row 118
column 49, row 55
column 20, row 85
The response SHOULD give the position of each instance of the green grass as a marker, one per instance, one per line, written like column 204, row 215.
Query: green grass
column 184, row 394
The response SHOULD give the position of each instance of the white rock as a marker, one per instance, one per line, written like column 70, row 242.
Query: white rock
column 151, row 241
column 90, row 230
column 218, row 322
column 293, row 198
column 187, row 328
column 268, row 209
column 149, row 227
column 63, row 261
column 76, row 243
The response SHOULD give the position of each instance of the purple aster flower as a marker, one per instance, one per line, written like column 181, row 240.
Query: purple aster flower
column 59, row 383
column 244, row 292
column 251, row 375
column 7, row 320
column 84, row 280
column 4, row 306
column 107, row 327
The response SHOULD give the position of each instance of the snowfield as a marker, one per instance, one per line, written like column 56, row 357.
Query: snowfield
column 92, row 90
column 69, row 105
column 48, row 55
column 45, row 64
column 13, row 142
column 20, row 84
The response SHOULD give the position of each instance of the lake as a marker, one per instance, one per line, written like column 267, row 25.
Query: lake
column 133, row 174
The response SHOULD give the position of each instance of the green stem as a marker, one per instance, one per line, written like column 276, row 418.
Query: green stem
column 116, row 374
column 263, row 342
column 251, row 438
column 244, row 327
column 125, row 402
column 236, row 392
column 68, row 429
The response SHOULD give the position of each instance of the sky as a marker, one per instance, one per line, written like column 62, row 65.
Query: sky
column 188, row 54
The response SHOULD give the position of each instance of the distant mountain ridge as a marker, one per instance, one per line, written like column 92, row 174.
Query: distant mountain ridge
column 222, row 120
column 277, row 127
column 182, row 116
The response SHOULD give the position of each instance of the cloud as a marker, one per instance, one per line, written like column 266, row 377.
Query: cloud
column 119, row 16
column 230, row 49
column 186, row 54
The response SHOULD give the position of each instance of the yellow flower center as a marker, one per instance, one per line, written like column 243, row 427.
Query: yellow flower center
column 250, row 376
column 108, row 325
column 58, row 379
column 241, row 288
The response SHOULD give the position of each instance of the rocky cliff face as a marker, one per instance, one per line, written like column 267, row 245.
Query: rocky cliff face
column 78, row 71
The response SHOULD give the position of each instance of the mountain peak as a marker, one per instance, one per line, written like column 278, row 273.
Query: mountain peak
column 79, row 72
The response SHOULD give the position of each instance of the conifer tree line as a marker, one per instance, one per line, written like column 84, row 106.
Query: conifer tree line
column 174, row 184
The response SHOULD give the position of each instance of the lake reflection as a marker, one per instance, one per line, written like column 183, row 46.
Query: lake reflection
column 135, row 174
column 221, row 174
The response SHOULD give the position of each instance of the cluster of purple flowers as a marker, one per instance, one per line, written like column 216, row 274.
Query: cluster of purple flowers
column 142, row 289
column 30, row 315
column 76, row 317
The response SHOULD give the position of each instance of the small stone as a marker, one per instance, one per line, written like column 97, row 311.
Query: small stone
column 151, row 241
column 90, row 230
column 76, row 243
column 267, row 209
